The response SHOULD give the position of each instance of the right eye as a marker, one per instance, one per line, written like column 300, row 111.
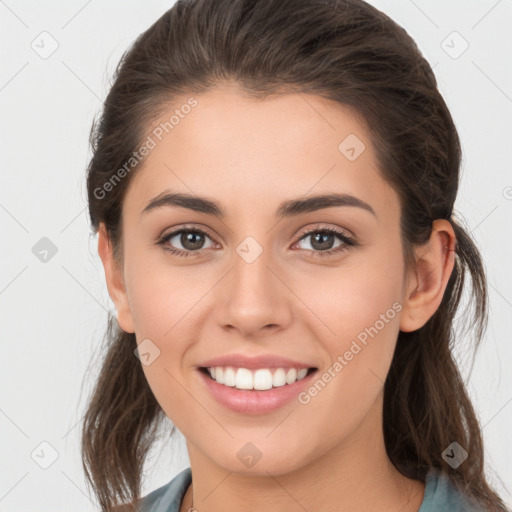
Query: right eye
column 191, row 241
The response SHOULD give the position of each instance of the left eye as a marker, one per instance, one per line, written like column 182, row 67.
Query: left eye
column 322, row 240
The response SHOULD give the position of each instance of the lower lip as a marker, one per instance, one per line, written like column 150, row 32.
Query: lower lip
column 247, row 401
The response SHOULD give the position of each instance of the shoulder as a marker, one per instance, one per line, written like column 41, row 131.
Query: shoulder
column 166, row 498
column 442, row 493
column 127, row 507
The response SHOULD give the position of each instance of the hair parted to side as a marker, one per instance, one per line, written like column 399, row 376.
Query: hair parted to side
column 342, row 50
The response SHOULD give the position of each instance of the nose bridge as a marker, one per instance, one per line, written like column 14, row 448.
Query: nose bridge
column 255, row 297
column 251, row 261
column 252, row 278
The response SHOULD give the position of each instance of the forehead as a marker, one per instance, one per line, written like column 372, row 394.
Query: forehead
column 253, row 153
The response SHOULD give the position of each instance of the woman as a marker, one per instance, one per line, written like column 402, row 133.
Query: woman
column 272, row 186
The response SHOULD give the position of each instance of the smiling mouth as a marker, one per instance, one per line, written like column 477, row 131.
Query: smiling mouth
column 256, row 380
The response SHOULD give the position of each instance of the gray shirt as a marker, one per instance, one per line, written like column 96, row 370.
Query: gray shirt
column 440, row 495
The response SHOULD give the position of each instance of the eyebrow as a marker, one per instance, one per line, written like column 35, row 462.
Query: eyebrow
column 289, row 208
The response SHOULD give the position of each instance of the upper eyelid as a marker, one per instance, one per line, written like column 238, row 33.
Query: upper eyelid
column 337, row 230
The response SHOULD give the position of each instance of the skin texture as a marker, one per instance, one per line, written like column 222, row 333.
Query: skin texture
column 249, row 155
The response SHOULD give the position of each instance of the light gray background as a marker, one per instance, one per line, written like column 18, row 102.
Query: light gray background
column 53, row 314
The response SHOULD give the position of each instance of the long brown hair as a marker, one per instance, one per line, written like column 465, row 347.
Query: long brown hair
column 342, row 50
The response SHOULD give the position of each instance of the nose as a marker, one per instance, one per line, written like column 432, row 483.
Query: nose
column 255, row 297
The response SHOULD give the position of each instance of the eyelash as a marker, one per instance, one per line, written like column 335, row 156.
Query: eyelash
column 348, row 241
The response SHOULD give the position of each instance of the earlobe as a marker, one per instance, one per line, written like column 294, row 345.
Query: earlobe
column 434, row 266
column 115, row 281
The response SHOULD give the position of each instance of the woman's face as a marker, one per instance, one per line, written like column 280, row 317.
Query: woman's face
column 259, row 281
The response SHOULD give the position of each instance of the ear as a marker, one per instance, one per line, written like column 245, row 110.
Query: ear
column 426, row 286
column 115, row 281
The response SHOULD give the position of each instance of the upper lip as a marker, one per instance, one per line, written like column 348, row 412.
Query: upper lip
column 254, row 362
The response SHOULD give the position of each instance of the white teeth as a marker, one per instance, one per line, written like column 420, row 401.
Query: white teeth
column 291, row 376
column 229, row 377
column 302, row 373
column 261, row 379
column 279, row 378
column 244, row 379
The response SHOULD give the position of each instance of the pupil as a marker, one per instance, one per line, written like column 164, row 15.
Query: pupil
column 187, row 240
column 324, row 240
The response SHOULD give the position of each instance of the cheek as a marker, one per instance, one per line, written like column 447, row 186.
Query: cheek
column 169, row 390
column 163, row 294
column 346, row 301
column 163, row 309
column 356, row 318
column 164, row 302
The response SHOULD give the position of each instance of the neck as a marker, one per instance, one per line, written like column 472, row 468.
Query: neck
column 354, row 475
